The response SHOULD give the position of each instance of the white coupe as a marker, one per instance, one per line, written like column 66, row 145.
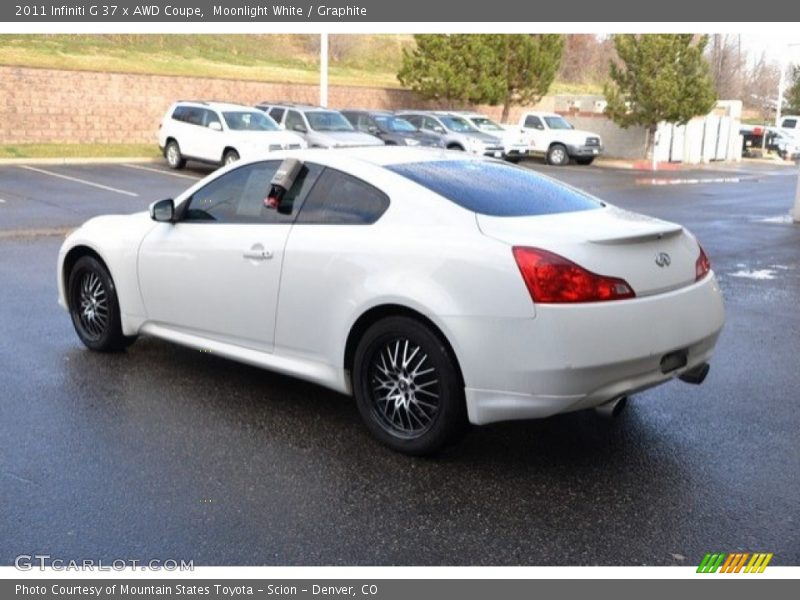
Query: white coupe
column 439, row 289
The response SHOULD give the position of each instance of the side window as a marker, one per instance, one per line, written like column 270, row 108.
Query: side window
column 179, row 114
column 209, row 116
column 415, row 121
column 430, row 124
column 238, row 196
column 293, row 118
column 533, row 122
column 194, row 116
column 341, row 199
column 789, row 123
column 277, row 114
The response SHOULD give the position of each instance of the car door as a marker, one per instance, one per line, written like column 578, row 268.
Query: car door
column 327, row 259
column 215, row 272
column 210, row 138
column 535, row 133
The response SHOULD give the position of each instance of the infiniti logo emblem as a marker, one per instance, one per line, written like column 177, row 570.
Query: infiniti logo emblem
column 663, row 259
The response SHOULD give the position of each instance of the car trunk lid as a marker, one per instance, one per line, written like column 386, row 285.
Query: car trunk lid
column 652, row 255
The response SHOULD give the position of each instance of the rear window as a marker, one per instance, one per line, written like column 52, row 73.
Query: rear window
column 495, row 189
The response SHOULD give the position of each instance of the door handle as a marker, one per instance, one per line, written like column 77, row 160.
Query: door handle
column 257, row 253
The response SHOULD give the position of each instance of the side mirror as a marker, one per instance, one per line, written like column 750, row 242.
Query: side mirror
column 373, row 130
column 299, row 127
column 215, row 126
column 163, row 211
column 438, row 129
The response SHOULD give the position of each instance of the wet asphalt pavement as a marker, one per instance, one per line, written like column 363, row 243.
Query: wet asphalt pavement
column 164, row 452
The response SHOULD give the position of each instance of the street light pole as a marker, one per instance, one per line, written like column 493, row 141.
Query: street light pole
column 323, row 70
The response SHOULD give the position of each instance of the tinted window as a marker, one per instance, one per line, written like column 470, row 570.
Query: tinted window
column 277, row 114
column 415, row 121
column 533, row 122
column 238, row 196
column 496, row 189
column 340, row 199
column 790, row 123
column 179, row 114
column 328, row 121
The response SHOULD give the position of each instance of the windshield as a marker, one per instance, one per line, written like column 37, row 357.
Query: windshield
column 249, row 121
column 394, row 124
column 320, row 120
column 495, row 188
column 557, row 123
column 458, row 124
column 486, row 124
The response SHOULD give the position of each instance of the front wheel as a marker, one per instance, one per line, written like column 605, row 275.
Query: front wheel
column 557, row 155
column 94, row 307
column 231, row 156
column 408, row 388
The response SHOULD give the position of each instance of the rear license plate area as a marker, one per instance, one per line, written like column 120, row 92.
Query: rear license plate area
column 674, row 360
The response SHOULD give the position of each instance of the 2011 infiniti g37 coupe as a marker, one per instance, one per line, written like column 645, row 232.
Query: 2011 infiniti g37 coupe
column 437, row 288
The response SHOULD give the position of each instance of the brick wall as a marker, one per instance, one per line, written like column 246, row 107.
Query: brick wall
column 54, row 106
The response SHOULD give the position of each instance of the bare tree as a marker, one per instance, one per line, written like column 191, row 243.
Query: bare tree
column 727, row 62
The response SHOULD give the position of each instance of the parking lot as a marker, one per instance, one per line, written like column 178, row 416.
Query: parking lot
column 165, row 452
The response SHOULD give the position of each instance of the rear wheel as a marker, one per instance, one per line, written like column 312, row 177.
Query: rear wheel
column 407, row 387
column 173, row 155
column 94, row 307
column 557, row 155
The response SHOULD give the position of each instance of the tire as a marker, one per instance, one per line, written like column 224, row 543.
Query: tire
column 557, row 155
column 585, row 161
column 408, row 388
column 172, row 152
column 94, row 308
column 456, row 147
column 230, row 156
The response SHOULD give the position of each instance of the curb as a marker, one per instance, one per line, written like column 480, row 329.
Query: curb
column 646, row 166
column 78, row 160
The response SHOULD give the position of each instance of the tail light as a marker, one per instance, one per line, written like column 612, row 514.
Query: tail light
column 702, row 266
column 551, row 278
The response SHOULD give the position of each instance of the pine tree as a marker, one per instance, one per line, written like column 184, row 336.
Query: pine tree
column 658, row 78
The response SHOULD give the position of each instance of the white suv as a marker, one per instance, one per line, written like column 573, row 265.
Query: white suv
column 218, row 133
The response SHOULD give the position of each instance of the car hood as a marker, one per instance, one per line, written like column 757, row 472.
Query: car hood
column 343, row 139
column 266, row 138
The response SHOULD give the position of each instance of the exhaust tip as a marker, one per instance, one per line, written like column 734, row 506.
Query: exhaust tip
column 697, row 375
column 613, row 408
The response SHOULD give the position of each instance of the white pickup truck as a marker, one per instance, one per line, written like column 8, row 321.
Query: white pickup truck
column 551, row 136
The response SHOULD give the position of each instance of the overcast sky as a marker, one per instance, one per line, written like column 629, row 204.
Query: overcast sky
column 776, row 46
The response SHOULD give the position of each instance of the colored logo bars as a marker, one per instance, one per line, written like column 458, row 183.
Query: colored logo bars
column 734, row 563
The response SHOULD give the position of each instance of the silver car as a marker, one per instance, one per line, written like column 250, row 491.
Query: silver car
column 320, row 127
column 456, row 132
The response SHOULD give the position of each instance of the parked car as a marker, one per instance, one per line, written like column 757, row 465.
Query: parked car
column 393, row 130
column 786, row 142
column 552, row 137
column 436, row 287
column 320, row 127
column 455, row 132
column 515, row 145
column 219, row 133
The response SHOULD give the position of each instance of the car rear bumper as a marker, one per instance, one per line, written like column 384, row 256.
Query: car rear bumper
column 569, row 358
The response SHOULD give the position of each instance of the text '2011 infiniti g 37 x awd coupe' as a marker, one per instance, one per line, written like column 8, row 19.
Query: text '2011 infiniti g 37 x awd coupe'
column 438, row 288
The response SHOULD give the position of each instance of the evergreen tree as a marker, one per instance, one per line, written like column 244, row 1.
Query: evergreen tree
column 658, row 78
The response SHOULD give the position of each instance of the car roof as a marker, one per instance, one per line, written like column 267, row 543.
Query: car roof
column 214, row 105
column 304, row 107
column 378, row 156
